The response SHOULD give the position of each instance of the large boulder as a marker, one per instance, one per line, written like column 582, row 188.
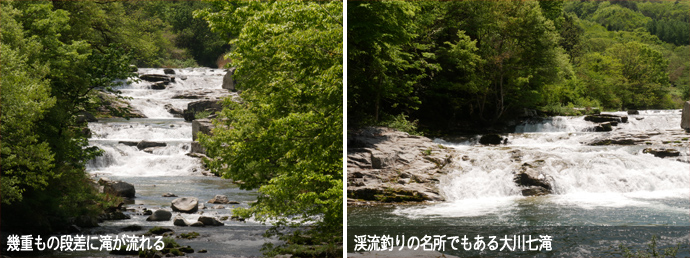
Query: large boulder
column 201, row 126
column 193, row 108
column 160, row 215
column 146, row 144
column 117, row 188
column 168, row 71
column 228, row 81
column 384, row 165
column 185, row 204
column 533, row 181
column 685, row 117
column 210, row 221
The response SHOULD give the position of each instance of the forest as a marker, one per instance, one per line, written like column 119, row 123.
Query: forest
column 452, row 65
column 57, row 55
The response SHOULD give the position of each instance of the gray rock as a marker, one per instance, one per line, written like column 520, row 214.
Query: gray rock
column 185, row 204
column 197, row 224
column 183, row 77
column 210, row 221
column 219, row 199
column 197, row 148
column 532, row 180
column 633, row 112
column 117, row 188
column 229, row 81
column 201, row 126
column 378, row 158
column 168, row 71
column 180, row 221
column 160, row 215
column 685, row 117
column 176, row 112
column 169, row 195
column 146, row 144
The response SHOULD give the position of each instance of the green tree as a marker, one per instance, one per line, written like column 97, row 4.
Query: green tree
column 285, row 136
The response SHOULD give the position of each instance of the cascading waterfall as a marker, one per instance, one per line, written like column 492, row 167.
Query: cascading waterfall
column 123, row 160
column 583, row 175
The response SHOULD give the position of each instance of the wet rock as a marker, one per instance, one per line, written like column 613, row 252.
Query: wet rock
column 193, row 108
column 662, row 153
column 150, row 150
column 533, row 181
column 685, row 117
column 160, row 215
column 201, row 126
column 197, row 224
column 117, row 188
column 210, row 221
column 185, row 204
column 128, row 143
column 615, row 142
column 168, row 71
column 183, row 77
column 148, row 212
column 491, row 139
column 155, row 77
column 197, row 148
column 606, row 118
column 228, row 80
column 219, row 199
column 159, row 86
column 180, row 221
column 176, row 112
column 112, row 106
column 146, row 144
column 169, row 195
column 203, row 251
column 633, row 112
column 604, row 127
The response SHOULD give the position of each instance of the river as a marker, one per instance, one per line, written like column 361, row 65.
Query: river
column 604, row 196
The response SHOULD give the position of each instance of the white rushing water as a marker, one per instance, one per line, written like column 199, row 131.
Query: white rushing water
column 589, row 177
column 160, row 126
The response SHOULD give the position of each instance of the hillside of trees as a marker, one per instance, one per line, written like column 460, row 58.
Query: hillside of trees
column 443, row 65
column 55, row 56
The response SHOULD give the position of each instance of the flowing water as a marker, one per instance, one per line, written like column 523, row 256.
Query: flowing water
column 604, row 195
column 169, row 169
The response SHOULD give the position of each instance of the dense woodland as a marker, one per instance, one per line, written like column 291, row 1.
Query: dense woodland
column 444, row 66
column 56, row 55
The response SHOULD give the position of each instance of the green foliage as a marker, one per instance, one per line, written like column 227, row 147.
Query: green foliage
column 202, row 114
column 616, row 17
column 401, row 123
column 190, row 235
column 286, row 139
